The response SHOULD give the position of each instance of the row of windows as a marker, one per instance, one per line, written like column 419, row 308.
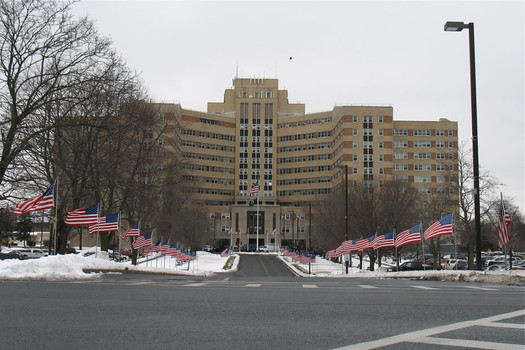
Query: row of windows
column 210, row 135
column 312, row 135
column 325, row 156
column 422, row 155
column 297, row 148
column 422, row 132
column 305, row 192
column 423, row 144
column 309, row 169
column 426, row 178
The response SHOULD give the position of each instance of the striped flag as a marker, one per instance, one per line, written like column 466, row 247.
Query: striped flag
column 384, row 241
column 226, row 252
column 504, row 223
column 85, row 216
column 363, row 244
column 143, row 241
column 255, row 189
column 153, row 249
column 164, row 247
column 412, row 235
column 441, row 227
column 45, row 201
column 106, row 223
column 133, row 231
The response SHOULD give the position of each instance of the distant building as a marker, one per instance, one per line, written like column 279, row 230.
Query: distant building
column 256, row 136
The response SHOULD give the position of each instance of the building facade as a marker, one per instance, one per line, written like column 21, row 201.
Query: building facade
column 255, row 136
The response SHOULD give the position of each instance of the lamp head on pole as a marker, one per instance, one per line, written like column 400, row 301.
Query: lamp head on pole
column 455, row 26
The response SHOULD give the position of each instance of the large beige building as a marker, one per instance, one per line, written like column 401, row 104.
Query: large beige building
column 256, row 136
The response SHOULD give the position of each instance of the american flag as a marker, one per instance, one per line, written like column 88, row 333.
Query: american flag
column 504, row 222
column 85, row 216
column 255, row 189
column 412, row 235
column 345, row 247
column 174, row 250
column 153, row 249
column 133, row 231
column 45, row 201
column 332, row 254
column 384, row 241
column 164, row 247
column 143, row 241
column 226, row 252
column 441, row 227
column 106, row 223
column 363, row 244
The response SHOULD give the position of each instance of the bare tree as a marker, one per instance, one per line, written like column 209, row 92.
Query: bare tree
column 46, row 56
column 465, row 180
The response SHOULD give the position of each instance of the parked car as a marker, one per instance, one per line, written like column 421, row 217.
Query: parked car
column 248, row 248
column 268, row 248
column 411, row 266
column 11, row 255
column 32, row 253
column 207, row 248
column 501, row 260
column 455, row 264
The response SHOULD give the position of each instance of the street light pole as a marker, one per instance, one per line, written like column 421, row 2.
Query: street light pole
column 457, row 27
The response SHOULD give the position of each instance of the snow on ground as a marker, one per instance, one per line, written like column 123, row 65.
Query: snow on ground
column 78, row 266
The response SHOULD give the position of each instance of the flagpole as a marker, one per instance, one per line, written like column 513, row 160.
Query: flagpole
column 257, row 235
column 502, row 223
column 55, row 190
column 455, row 241
column 395, row 243
column 422, row 244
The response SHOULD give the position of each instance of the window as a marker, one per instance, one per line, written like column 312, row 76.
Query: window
column 380, row 119
column 400, row 144
column 225, row 216
column 355, row 171
column 422, row 144
column 440, row 155
column 421, row 132
column 400, row 132
column 440, row 144
column 402, row 167
column 422, row 178
column 355, row 118
column 422, row 167
column 440, row 132
column 422, row 155
column 355, row 144
column 355, row 131
column 400, row 155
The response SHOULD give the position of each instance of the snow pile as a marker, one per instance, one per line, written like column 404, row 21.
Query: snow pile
column 79, row 266
column 73, row 266
column 326, row 268
column 56, row 267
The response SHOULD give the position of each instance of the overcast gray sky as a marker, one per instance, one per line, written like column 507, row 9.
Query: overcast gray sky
column 342, row 52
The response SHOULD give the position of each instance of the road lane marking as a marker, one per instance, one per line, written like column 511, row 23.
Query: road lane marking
column 425, row 287
column 366, row 286
column 195, row 284
column 480, row 288
column 264, row 266
column 252, row 285
column 310, row 286
column 468, row 343
column 426, row 333
column 506, row 325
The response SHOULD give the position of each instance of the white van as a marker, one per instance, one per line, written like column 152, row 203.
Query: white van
column 269, row 248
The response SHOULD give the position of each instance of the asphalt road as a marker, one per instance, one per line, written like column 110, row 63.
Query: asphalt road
column 262, row 306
